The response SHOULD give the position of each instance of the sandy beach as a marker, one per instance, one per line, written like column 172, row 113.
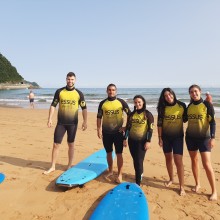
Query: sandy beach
column 25, row 152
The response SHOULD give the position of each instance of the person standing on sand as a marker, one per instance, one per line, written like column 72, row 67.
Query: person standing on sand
column 200, row 135
column 31, row 99
column 109, row 127
column 171, row 115
column 69, row 99
column 139, row 130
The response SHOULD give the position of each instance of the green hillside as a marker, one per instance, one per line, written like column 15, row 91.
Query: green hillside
column 8, row 73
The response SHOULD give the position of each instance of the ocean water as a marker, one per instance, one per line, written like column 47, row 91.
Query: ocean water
column 44, row 97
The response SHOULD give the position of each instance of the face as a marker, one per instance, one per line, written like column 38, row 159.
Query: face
column 138, row 103
column 111, row 91
column 195, row 93
column 169, row 97
column 70, row 81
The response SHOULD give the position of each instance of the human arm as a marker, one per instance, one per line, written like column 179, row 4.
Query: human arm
column 51, row 112
column 150, row 126
column 84, row 124
column 159, row 131
column 212, row 123
column 99, row 127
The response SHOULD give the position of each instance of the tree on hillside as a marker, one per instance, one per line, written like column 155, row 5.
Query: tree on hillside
column 8, row 73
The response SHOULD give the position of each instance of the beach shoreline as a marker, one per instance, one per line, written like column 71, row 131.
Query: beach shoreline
column 26, row 193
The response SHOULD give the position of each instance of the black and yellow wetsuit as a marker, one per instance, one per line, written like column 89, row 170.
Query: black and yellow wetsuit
column 201, row 120
column 171, row 123
column 172, row 120
column 69, row 101
column 139, row 130
column 111, row 109
column 141, row 126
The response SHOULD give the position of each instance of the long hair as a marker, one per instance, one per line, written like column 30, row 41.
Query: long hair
column 162, row 103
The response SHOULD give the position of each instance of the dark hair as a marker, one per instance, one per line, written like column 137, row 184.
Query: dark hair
column 162, row 103
column 70, row 74
column 110, row 85
column 194, row 86
column 143, row 99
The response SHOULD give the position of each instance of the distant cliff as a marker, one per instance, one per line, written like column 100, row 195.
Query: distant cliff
column 10, row 78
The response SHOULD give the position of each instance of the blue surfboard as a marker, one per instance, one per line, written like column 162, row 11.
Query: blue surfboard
column 126, row 201
column 2, row 177
column 84, row 171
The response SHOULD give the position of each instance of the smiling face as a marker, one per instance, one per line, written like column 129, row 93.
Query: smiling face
column 70, row 81
column 138, row 103
column 168, row 96
column 195, row 93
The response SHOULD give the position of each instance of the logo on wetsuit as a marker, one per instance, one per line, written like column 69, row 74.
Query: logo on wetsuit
column 137, row 121
column 67, row 102
column 112, row 112
column 194, row 116
column 172, row 117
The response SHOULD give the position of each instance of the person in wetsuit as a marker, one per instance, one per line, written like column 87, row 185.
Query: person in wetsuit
column 200, row 136
column 171, row 115
column 139, row 129
column 109, row 128
column 69, row 99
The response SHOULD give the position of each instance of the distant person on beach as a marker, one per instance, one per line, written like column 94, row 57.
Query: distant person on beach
column 208, row 97
column 200, row 135
column 69, row 99
column 31, row 99
column 109, row 127
column 171, row 116
column 139, row 129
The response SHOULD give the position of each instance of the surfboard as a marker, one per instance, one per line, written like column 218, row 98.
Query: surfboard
column 86, row 170
column 126, row 201
column 2, row 177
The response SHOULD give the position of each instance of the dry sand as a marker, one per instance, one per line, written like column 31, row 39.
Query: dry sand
column 25, row 152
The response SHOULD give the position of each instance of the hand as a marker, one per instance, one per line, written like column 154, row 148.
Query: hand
column 147, row 146
column 122, row 129
column 124, row 143
column 211, row 142
column 84, row 126
column 160, row 142
column 49, row 123
column 99, row 133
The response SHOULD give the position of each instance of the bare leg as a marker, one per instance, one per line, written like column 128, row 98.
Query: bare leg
column 120, row 165
column 206, row 161
column 110, row 165
column 169, row 165
column 180, row 172
column 70, row 154
column 54, row 158
column 195, row 169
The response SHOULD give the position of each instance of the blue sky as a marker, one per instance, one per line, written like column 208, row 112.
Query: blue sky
column 130, row 43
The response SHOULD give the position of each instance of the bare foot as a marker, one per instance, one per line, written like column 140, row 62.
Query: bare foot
column 213, row 197
column 109, row 174
column 49, row 171
column 169, row 183
column 196, row 188
column 118, row 179
column 68, row 167
column 182, row 192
